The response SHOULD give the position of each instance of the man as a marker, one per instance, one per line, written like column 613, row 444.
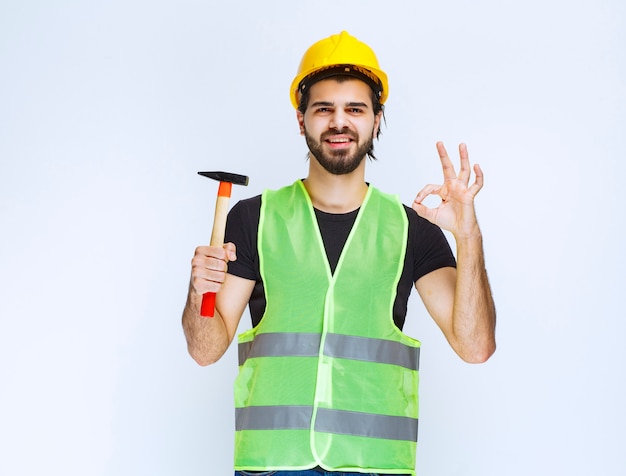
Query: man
column 327, row 381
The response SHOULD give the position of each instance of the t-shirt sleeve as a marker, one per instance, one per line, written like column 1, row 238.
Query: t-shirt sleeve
column 241, row 229
column 430, row 247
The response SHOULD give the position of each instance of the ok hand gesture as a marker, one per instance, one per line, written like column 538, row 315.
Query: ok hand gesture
column 456, row 212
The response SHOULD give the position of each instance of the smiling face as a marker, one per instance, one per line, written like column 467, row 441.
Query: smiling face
column 339, row 124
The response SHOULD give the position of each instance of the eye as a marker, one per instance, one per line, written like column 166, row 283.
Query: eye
column 355, row 110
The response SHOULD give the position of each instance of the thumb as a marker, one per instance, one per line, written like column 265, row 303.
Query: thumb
column 231, row 251
column 422, row 210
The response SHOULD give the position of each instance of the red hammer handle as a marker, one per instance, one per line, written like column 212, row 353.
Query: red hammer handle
column 217, row 239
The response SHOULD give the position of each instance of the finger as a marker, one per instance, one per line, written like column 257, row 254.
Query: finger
column 430, row 189
column 205, row 279
column 480, row 180
column 448, row 168
column 465, row 170
column 204, row 284
column 218, row 252
column 210, row 257
column 205, row 264
column 227, row 252
column 209, row 274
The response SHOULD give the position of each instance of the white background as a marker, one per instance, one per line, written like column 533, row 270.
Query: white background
column 108, row 110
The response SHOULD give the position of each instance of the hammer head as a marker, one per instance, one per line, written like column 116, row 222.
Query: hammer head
column 226, row 177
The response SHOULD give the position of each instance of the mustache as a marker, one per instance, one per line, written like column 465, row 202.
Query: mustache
column 336, row 132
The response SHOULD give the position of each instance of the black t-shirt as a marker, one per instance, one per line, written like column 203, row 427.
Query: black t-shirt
column 427, row 250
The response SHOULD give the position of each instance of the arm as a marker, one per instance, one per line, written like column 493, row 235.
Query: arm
column 460, row 300
column 208, row 338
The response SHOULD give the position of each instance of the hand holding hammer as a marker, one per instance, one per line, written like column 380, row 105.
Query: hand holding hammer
column 226, row 181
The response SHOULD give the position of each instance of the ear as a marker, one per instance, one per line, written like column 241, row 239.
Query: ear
column 377, row 120
column 300, row 118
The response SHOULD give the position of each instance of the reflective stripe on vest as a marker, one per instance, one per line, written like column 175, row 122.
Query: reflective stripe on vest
column 326, row 378
column 329, row 421
column 281, row 344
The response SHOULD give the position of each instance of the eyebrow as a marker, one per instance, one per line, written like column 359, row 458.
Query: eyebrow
column 331, row 104
column 358, row 104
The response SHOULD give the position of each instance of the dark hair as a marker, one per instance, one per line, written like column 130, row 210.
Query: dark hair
column 376, row 105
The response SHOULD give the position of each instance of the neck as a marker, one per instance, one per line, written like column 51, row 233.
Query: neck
column 335, row 193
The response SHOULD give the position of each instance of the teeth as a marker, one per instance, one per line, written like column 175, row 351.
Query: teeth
column 339, row 140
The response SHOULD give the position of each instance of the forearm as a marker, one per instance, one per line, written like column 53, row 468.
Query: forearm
column 474, row 315
column 207, row 338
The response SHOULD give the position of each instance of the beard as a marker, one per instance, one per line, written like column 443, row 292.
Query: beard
column 338, row 162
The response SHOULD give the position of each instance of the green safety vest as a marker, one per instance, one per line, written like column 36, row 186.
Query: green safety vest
column 326, row 378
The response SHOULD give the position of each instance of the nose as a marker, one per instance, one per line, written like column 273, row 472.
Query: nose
column 338, row 120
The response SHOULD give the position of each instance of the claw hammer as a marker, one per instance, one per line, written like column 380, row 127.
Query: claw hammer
column 226, row 181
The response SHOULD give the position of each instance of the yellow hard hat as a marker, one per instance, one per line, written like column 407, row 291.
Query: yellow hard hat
column 339, row 54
